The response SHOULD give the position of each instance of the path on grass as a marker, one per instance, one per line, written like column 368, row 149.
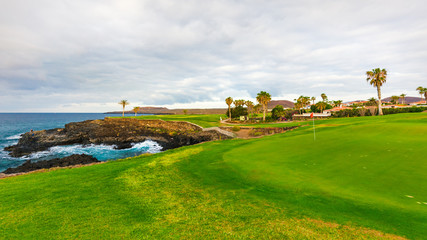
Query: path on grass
column 230, row 134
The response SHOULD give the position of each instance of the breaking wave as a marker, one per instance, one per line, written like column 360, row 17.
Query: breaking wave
column 101, row 152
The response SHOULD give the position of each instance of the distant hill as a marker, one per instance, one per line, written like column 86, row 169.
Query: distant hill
column 284, row 103
column 407, row 99
column 166, row 111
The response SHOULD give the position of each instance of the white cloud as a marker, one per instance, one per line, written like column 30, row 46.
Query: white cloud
column 80, row 55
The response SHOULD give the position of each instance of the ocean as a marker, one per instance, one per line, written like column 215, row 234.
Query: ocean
column 12, row 125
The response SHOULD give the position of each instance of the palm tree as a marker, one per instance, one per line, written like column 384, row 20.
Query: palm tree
column 321, row 106
column 298, row 106
column 372, row 101
column 395, row 99
column 377, row 77
column 339, row 102
column 425, row 94
column 124, row 103
column 250, row 106
column 257, row 108
column 313, row 99
column 239, row 102
column 263, row 98
column 403, row 98
column 305, row 101
column 324, row 97
column 421, row 91
column 136, row 110
column 229, row 101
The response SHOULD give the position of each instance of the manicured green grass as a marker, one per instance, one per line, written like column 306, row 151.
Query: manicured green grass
column 207, row 120
column 348, row 184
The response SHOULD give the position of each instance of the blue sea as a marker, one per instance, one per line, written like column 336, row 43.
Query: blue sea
column 12, row 125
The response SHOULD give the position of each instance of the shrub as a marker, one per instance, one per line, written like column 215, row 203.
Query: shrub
column 238, row 111
column 366, row 112
column 277, row 112
column 236, row 128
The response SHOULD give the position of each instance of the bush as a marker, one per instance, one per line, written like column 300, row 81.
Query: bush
column 314, row 108
column 254, row 133
column 238, row 111
column 366, row 112
column 387, row 111
column 277, row 112
column 236, row 129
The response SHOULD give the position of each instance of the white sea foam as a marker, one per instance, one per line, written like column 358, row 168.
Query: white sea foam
column 101, row 152
column 14, row 137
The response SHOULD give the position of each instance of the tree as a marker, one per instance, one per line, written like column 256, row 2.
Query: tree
column 339, row 102
column 136, row 110
column 324, row 97
column 239, row 102
column 238, row 111
column 263, row 98
column 403, row 97
column 321, row 106
column 250, row 106
column 229, row 101
column 305, row 101
column 394, row 99
column 124, row 103
column 257, row 108
column 372, row 102
column 313, row 99
column 377, row 77
column 422, row 91
column 185, row 111
column 298, row 105
column 277, row 112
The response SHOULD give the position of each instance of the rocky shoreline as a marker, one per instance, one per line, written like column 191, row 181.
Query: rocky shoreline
column 73, row 160
column 120, row 132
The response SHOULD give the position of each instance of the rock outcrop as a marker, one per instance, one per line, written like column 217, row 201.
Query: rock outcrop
column 121, row 132
column 75, row 159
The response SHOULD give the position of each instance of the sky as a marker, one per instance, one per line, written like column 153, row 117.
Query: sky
column 87, row 55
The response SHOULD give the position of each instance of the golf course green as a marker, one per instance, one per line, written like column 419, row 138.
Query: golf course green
column 361, row 178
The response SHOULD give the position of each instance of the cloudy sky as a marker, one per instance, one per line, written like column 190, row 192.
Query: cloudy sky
column 86, row 55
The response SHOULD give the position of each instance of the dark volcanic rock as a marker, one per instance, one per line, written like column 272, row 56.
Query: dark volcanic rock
column 72, row 160
column 121, row 132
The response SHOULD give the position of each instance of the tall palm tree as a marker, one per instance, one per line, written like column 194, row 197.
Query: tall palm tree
column 403, row 98
column 377, row 77
column 257, row 108
column 324, row 97
column 298, row 105
column 263, row 98
column 305, row 101
column 421, row 91
column 229, row 101
column 395, row 99
column 339, row 102
column 313, row 99
column 124, row 103
column 136, row 110
column 250, row 106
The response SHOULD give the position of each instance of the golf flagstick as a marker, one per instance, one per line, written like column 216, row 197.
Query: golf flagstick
column 314, row 129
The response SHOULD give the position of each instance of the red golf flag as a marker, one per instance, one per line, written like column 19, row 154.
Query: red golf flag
column 311, row 115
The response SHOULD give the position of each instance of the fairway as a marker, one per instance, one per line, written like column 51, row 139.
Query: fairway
column 211, row 120
column 363, row 178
